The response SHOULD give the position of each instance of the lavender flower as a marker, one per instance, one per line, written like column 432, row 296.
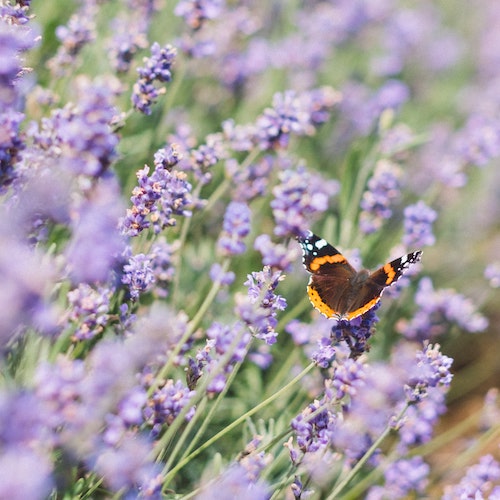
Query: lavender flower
column 432, row 369
column 236, row 226
column 357, row 332
column 479, row 140
column 298, row 198
column 293, row 114
column 492, row 274
column 162, row 266
column 11, row 144
column 165, row 405
column 157, row 198
column 274, row 254
column 197, row 12
column 477, row 482
column 25, row 473
column 138, row 275
column 253, row 181
column 222, row 340
column 259, row 309
column 96, row 245
column 418, row 225
column 234, row 482
column 383, row 190
column 89, row 310
column 402, row 477
column 79, row 32
column 156, row 68
column 217, row 275
column 14, row 40
column 128, row 468
column 439, row 308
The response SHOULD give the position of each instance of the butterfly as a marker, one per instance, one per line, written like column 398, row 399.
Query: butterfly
column 336, row 289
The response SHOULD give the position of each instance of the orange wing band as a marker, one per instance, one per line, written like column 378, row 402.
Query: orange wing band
column 327, row 259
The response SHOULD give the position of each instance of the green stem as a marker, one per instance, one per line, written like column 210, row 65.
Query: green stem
column 169, row 476
column 365, row 457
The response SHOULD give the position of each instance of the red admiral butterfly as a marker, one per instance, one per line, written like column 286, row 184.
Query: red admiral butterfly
column 336, row 289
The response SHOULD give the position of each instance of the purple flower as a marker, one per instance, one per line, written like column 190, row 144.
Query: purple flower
column 298, row 198
column 236, row 226
column 437, row 309
column 479, row 140
column 89, row 310
column 156, row 68
column 492, row 274
column 11, row 144
column 80, row 134
column 293, row 114
column 196, row 12
column 96, row 244
column 233, row 483
column 383, row 190
column 259, row 309
column 432, row 369
column 156, row 199
column 274, row 254
column 27, row 280
column 418, row 225
column 138, row 275
column 14, row 39
column 357, row 332
column 314, row 433
column 402, row 477
column 222, row 340
column 477, row 482
column 252, row 181
column 25, row 473
column 128, row 467
column 165, row 405
column 79, row 32
column 162, row 266
column 217, row 275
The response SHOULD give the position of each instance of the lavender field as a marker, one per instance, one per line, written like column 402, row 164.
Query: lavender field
column 162, row 167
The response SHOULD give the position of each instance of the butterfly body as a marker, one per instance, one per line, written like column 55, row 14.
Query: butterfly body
column 336, row 289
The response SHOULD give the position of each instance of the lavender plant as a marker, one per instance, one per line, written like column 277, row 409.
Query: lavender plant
column 158, row 162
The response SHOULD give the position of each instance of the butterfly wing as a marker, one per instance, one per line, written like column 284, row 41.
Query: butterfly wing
column 371, row 290
column 331, row 275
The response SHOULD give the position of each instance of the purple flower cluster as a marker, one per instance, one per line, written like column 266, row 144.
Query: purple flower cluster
column 492, row 274
column 383, row 190
column 138, row 275
column 401, row 478
column 418, row 225
column 478, row 482
column 96, row 245
column 298, row 198
column 156, row 68
column 294, row 114
column 259, row 308
column 80, row 31
column 276, row 255
column 165, row 404
column 157, row 198
column 235, row 228
column 431, row 369
column 197, row 12
column 89, row 310
column 223, row 342
column 10, row 146
column 357, row 332
column 437, row 309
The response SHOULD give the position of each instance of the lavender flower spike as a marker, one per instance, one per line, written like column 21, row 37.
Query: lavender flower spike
column 235, row 227
column 418, row 225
